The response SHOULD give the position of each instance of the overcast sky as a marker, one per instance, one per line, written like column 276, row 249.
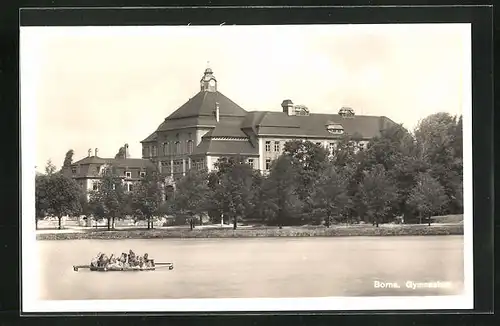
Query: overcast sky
column 91, row 87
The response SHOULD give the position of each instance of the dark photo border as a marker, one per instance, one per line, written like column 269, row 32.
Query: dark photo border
column 481, row 18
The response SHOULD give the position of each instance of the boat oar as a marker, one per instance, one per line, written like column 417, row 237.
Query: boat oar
column 76, row 267
column 169, row 265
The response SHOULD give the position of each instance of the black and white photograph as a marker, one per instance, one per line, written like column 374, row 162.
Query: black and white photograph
column 246, row 168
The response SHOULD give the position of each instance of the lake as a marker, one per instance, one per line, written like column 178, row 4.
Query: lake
column 256, row 267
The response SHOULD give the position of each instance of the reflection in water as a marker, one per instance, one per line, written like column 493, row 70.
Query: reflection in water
column 264, row 267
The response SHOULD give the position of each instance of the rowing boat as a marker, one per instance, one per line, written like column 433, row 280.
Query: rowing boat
column 154, row 266
column 120, row 269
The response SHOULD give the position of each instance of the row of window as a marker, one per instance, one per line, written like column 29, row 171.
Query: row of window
column 198, row 164
column 276, row 146
column 331, row 146
column 129, row 186
column 169, row 148
column 126, row 174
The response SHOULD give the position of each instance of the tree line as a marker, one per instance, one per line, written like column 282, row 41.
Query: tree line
column 414, row 175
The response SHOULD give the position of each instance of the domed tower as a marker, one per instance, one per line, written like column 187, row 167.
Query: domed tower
column 208, row 83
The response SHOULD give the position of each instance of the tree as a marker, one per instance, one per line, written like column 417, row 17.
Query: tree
column 280, row 191
column 41, row 199
column 191, row 196
column 309, row 160
column 405, row 173
column 427, row 196
column 435, row 137
column 389, row 148
column 68, row 159
column 344, row 153
column 147, row 195
column 330, row 193
column 107, row 201
column 377, row 192
column 233, row 190
column 56, row 194
column 121, row 153
column 439, row 141
column 257, row 205
column 50, row 168
column 395, row 150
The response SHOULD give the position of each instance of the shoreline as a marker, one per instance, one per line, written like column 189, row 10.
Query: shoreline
column 258, row 232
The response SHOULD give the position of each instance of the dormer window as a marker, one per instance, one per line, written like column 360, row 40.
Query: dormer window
column 335, row 128
column 346, row 112
column 301, row 110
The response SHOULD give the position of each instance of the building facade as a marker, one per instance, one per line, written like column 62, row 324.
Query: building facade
column 210, row 126
column 88, row 171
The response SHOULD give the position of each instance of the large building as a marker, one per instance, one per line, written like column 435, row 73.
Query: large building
column 88, row 171
column 210, row 125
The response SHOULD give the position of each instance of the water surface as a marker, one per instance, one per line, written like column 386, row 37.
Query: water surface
column 256, row 267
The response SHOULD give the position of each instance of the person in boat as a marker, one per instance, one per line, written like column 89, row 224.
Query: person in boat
column 147, row 261
column 132, row 259
column 113, row 262
column 140, row 262
column 95, row 261
column 103, row 261
column 123, row 260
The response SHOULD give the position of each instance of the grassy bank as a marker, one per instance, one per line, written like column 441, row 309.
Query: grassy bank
column 335, row 231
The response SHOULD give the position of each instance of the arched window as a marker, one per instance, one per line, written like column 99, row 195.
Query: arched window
column 177, row 147
column 165, row 148
column 189, row 146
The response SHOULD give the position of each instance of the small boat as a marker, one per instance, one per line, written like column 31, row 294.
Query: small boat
column 154, row 266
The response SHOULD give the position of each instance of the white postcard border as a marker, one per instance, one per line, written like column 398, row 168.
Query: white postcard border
column 30, row 277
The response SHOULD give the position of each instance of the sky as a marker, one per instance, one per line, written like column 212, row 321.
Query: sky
column 102, row 87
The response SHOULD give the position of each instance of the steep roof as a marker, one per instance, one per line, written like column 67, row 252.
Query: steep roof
column 173, row 124
column 127, row 162
column 227, row 128
column 91, row 160
column 204, row 103
column 314, row 125
column 225, row 147
column 150, row 138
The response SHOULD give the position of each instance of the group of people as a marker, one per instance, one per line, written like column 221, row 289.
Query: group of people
column 130, row 260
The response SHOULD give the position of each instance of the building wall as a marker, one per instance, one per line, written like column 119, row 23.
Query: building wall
column 177, row 163
column 172, row 136
column 173, row 156
column 268, row 151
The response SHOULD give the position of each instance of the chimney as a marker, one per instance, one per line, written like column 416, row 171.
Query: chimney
column 287, row 106
column 217, row 113
column 126, row 151
column 90, row 152
column 96, row 151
